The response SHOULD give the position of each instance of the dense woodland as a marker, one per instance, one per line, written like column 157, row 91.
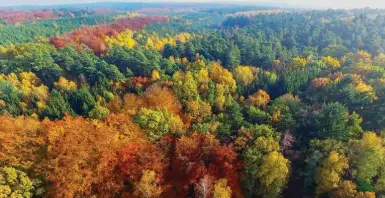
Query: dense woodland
column 192, row 101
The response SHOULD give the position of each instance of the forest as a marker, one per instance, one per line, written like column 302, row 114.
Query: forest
column 191, row 100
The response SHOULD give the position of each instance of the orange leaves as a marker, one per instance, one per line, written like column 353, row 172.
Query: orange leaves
column 74, row 152
column 20, row 140
column 260, row 98
column 140, row 156
column 158, row 96
column 200, row 155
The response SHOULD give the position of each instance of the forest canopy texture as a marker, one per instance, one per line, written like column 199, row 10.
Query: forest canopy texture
column 190, row 100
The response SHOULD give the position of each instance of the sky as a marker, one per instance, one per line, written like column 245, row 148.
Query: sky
column 306, row 3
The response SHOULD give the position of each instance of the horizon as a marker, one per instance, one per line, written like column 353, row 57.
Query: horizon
column 288, row 3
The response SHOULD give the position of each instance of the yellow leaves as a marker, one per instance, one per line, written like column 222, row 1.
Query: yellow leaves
column 347, row 189
column 183, row 37
column 64, row 85
column 2, row 104
column 128, row 15
column 371, row 140
column 364, row 57
column 363, row 88
column 148, row 185
column 274, row 170
column 122, row 39
column 221, row 190
column 154, row 41
column 244, row 74
column 298, row 63
column 260, row 98
column 223, row 76
column 203, row 79
column 31, row 87
column 220, row 98
column 266, row 145
column 328, row 176
column 155, row 75
column 331, row 62
column 197, row 111
column 366, row 90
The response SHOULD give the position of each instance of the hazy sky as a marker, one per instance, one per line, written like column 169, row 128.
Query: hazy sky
column 313, row 3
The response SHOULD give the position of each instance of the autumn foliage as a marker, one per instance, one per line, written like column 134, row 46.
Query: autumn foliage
column 94, row 36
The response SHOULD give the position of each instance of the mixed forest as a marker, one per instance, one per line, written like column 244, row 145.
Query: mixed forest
column 199, row 101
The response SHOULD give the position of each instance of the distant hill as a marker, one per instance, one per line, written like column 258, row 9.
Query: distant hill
column 127, row 6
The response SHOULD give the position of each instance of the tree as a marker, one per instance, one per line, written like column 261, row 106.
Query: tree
column 82, row 101
column 260, row 98
column 367, row 158
column 58, row 106
column 81, row 158
column 273, row 174
column 298, row 63
column 64, row 85
column 346, row 189
column 148, row 187
column 158, row 123
column 221, row 190
column 333, row 122
column 21, row 139
column 333, row 63
column 205, row 187
column 266, row 169
column 244, row 75
column 16, row 183
column 158, row 96
column 330, row 172
column 233, row 56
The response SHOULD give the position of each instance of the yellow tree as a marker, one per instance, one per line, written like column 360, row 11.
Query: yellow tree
column 148, row 186
column 273, row 173
column 260, row 98
column 64, row 85
column 347, row 189
column 328, row 176
column 220, row 98
column 331, row 62
column 122, row 39
column 155, row 75
column 221, row 190
column 244, row 75
column 298, row 63
column 222, row 76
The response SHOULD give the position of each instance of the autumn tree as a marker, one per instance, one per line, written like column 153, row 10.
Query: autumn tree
column 260, row 98
column 158, row 123
column 16, row 183
column 244, row 75
column 266, row 168
column 330, row 172
column 21, row 139
column 331, row 62
column 74, row 162
column 148, row 187
column 221, row 190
